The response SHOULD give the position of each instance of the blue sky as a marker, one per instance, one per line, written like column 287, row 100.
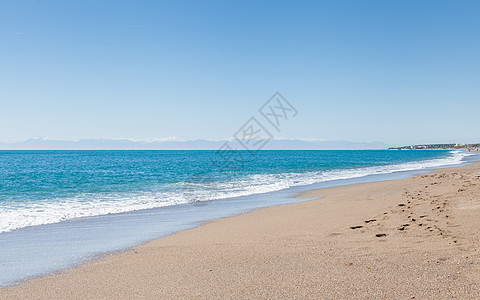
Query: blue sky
column 401, row 72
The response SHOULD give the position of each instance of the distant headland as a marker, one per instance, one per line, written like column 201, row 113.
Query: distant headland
column 469, row 147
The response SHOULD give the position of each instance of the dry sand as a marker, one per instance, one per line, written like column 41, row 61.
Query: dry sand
column 426, row 248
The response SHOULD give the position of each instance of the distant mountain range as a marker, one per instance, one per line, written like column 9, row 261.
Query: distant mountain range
column 199, row 144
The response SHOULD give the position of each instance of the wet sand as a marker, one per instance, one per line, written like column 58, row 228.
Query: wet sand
column 411, row 238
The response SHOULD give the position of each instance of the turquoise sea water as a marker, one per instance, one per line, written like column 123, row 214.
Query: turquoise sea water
column 42, row 187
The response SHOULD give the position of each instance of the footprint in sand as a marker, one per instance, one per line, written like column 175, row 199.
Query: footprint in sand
column 356, row 227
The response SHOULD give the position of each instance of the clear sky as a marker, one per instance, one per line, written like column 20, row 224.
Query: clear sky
column 400, row 72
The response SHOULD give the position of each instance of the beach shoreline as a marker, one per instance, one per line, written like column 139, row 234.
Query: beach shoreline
column 361, row 240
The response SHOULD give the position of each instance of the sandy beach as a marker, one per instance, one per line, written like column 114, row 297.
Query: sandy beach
column 414, row 238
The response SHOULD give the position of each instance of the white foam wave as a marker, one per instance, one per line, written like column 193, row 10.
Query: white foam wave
column 25, row 214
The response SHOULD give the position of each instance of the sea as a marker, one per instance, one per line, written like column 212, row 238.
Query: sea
column 62, row 208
